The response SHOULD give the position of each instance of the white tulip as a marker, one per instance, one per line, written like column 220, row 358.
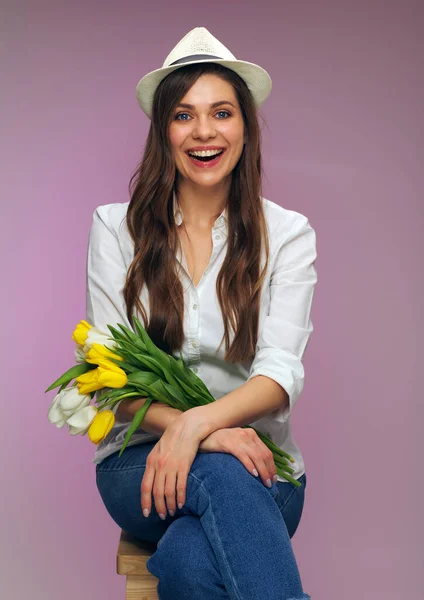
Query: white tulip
column 55, row 415
column 81, row 420
column 65, row 404
column 79, row 354
column 98, row 336
column 72, row 401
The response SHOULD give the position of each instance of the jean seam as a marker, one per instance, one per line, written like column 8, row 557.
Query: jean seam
column 108, row 470
column 219, row 538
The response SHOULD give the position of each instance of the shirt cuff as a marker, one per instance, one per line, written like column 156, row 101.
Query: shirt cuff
column 284, row 368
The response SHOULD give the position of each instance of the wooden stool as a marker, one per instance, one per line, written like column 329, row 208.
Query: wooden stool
column 131, row 561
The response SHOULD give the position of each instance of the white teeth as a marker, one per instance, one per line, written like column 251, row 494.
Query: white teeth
column 205, row 152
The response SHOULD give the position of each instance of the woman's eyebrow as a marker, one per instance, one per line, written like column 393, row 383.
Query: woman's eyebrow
column 213, row 105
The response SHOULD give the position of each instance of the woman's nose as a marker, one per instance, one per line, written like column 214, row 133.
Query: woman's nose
column 204, row 128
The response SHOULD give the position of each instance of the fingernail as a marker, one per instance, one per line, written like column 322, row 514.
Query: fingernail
column 275, row 478
column 255, row 473
column 162, row 516
column 180, row 505
column 268, row 482
column 146, row 512
column 171, row 512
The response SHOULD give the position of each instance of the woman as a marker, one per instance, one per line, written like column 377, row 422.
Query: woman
column 186, row 252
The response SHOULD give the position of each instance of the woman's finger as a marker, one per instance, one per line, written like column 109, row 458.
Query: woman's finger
column 146, row 490
column 181, row 487
column 262, row 468
column 269, row 461
column 159, row 493
column 272, row 468
column 170, row 492
column 243, row 452
column 264, row 462
column 255, row 449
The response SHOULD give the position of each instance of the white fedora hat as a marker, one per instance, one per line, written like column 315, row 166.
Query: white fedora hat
column 198, row 46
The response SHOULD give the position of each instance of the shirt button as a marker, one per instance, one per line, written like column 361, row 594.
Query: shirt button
column 194, row 344
column 194, row 306
column 217, row 237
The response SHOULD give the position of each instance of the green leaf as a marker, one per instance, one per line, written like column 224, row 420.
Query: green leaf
column 151, row 364
column 178, row 365
column 197, row 397
column 170, row 378
column 142, row 378
column 151, row 348
column 112, row 392
column 164, row 358
column 180, row 372
column 130, row 347
column 70, row 374
column 126, row 366
column 113, row 401
column 179, row 399
column 125, row 347
column 138, row 418
column 117, row 334
column 176, row 368
column 128, row 337
column 158, row 391
column 133, row 338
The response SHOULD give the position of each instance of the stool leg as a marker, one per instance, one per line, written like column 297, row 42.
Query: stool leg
column 141, row 587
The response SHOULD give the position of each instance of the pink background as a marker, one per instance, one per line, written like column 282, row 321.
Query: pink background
column 343, row 145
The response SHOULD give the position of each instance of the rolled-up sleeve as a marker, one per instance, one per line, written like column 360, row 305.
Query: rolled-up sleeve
column 286, row 330
column 105, row 276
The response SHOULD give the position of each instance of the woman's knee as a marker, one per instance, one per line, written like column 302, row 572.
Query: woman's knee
column 220, row 466
column 219, row 469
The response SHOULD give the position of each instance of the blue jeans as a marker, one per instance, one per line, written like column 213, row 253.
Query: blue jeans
column 231, row 539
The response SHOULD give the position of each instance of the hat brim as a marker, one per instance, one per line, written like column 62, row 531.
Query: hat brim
column 257, row 80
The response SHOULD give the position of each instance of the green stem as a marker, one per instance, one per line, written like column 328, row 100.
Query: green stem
column 288, row 478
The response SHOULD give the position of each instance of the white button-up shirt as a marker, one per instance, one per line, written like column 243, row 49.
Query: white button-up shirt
column 285, row 322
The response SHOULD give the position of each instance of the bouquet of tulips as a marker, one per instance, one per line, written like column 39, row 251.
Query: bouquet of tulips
column 125, row 365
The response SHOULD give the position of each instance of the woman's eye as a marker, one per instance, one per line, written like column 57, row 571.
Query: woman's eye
column 182, row 114
column 224, row 111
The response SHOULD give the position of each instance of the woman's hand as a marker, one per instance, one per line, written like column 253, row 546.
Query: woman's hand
column 244, row 444
column 168, row 466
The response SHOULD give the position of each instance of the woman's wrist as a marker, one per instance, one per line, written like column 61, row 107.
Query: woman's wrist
column 194, row 419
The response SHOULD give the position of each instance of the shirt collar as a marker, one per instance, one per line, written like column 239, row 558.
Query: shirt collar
column 179, row 216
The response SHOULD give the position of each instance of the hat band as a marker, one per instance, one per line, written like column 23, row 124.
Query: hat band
column 195, row 57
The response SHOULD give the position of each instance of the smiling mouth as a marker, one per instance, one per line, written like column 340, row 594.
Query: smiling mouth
column 206, row 158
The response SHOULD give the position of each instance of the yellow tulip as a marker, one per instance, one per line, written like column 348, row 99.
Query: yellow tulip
column 101, row 426
column 89, row 382
column 102, row 351
column 105, row 363
column 114, row 378
column 99, row 355
column 107, row 375
column 80, row 333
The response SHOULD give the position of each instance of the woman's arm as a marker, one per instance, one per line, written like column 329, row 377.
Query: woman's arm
column 156, row 419
column 276, row 375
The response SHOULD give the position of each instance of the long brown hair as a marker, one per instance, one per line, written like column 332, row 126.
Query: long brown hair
column 150, row 221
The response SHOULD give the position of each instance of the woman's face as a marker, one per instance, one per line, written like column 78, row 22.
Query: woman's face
column 206, row 125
